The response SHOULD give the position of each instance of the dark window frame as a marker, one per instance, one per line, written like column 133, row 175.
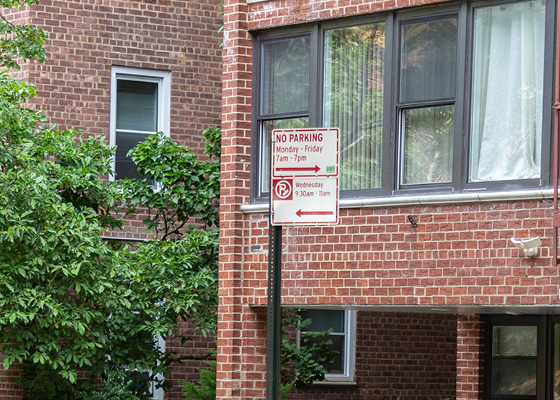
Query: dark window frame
column 544, row 344
column 408, row 17
column 390, row 175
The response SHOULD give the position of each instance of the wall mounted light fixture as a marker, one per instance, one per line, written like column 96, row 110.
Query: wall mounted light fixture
column 529, row 246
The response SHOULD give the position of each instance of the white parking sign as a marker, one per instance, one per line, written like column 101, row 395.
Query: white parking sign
column 305, row 176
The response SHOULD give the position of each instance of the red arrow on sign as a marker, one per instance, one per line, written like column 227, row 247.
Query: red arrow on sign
column 302, row 169
column 300, row 213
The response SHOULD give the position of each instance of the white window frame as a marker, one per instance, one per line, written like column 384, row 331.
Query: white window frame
column 349, row 349
column 156, row 393
column 162, row 78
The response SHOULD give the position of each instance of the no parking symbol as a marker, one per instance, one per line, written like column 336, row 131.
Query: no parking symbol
column 283, row 189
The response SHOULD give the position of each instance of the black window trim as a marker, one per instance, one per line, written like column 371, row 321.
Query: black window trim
column 390, row 182
column 544, row 342
column 409, row 17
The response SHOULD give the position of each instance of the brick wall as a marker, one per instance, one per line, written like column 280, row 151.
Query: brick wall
column 457, row 255
column 241, row 330
column 194, row 354
column 470, row 357
column 8, row 389
column 88, row 37
column 289, row 12
column 411, row 356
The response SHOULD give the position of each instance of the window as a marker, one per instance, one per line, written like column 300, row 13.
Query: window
column 140, row 104
column 517, row 357
column 152, row 391
column 445, row 98
column 426, row 100
column 343, row 324
column 507, row 92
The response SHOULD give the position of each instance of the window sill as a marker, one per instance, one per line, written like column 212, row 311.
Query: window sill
column 458, row 198
column 334, row 383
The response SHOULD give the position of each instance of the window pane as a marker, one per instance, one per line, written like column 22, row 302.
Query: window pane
column 285, row 76
column 515, row 341
column 268, row 127
column 124, row 166
column 514, row 376
column 428, row 60
column 137, row 105
column 323, row 320
column 428, row 145
column 353, row 101
column 337, row 366
column 507, row 97
column 556, row 373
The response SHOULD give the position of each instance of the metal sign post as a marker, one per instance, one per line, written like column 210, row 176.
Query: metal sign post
column 304, row 190
column 274, row 313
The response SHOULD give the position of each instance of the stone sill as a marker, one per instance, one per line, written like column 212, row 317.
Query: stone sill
column 334, row 383
column 435, row 199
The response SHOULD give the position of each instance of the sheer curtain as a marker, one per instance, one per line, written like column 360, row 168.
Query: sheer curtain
column 507, row 94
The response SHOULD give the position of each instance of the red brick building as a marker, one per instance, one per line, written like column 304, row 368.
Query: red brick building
column 123, row 70
column 446, row 125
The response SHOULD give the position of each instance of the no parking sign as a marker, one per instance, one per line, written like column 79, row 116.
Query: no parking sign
column 305, row 165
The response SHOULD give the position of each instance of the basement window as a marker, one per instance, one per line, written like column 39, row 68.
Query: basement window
column 343, row 325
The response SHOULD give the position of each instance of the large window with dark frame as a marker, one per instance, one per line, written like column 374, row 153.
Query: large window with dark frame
column 516, row 349
column 444, row 98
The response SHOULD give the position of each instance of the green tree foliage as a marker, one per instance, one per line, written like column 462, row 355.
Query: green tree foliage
column 70, row 301
column 303, row 365
column 22, row 42
column 53, row 208
column 112, row 388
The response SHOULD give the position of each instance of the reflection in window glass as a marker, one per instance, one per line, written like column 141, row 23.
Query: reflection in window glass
column 514, row 365
column 507, row 97
column 428, row 61
column 136, row 105
column 136, row 119
column 124, row 166
column 556, row 360
column 266, row 133
column 322, row 321
column 428, row 145
column 514, row 376
column 285, row 80
column 353, row 101
column 515, row 341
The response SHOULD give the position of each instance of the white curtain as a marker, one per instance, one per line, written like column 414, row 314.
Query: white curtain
column 507, row 98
